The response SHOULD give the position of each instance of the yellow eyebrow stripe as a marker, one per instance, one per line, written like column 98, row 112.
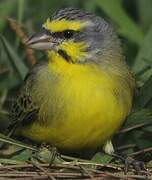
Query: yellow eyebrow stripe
column 62, row 25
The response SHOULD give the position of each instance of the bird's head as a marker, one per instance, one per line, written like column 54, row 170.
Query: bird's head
column 76, row 36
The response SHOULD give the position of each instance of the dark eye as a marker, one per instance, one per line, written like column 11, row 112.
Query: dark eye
column 68, row 34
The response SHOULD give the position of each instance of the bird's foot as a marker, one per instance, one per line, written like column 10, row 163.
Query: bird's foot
column 48, row 147
column 51, row 151
column 47, row 154
column 138, row 166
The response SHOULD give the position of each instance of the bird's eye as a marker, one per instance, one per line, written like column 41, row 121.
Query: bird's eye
column 68, row 34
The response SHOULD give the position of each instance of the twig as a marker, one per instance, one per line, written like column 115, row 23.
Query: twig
column 94, row 164
column 121, row 176
column 69, row 158
column 43, row 170
column 70, row 175
column 133, row 127
column 141, row 151
column 125, row 147
column 86, row 171
column 23, row 37
column 53, row 166
column 33, row 174
column 57, row 173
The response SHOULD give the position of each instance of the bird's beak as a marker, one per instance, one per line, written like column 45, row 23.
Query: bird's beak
column 40, row 41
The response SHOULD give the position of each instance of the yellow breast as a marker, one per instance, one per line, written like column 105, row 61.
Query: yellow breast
column 81, row 106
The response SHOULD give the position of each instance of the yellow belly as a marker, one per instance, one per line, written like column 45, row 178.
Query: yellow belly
column 82, row 109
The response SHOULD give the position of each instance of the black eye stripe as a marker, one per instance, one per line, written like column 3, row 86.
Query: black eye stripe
column 67, row 34
column 64, row 34
column 64, row 55
column 57, row 34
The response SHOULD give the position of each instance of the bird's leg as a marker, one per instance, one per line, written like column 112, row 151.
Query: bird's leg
column 46, row 154
column 50, row 151
column 128, row 161
column 108, row 147
column 137, row 165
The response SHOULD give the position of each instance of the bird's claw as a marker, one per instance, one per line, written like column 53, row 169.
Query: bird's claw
column 137, row 165
column 46, row 154
column 51, row 150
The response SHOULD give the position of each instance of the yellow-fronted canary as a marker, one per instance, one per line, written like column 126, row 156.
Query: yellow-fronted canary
column 81, row 96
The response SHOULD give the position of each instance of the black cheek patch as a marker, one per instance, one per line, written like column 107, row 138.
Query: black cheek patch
column 64, row 55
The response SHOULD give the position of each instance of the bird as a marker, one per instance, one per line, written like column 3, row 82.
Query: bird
column 80, row 97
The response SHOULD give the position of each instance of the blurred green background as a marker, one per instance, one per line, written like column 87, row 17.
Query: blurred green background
column 133, row 22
